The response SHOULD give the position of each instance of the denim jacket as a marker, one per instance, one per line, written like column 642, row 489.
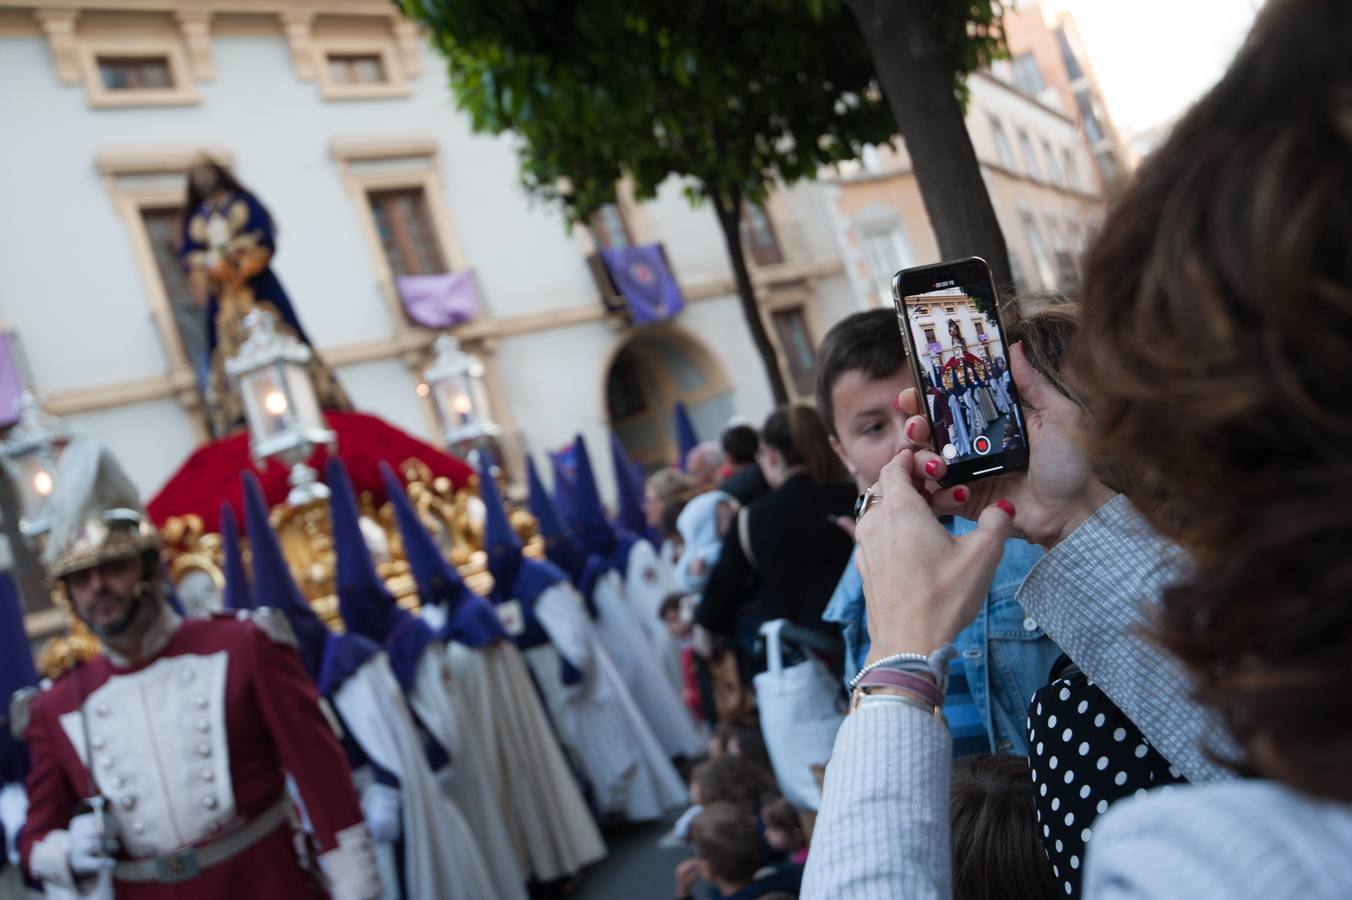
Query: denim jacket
column 1004, row 651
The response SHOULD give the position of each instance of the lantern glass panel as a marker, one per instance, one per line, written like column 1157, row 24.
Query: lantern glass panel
column 305, row 406
column 33, row 473
column 456, row 401
column 265, row 402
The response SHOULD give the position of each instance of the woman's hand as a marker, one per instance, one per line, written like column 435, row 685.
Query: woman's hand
column 1058, row 491
column 923, row 585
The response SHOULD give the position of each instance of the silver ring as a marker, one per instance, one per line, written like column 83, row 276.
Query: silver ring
column 866, row 499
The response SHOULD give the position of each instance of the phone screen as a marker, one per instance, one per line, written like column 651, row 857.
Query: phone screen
column 948, row 315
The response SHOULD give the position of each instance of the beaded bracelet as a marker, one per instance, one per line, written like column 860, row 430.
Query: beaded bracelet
column 922, row 658
column 935, row 664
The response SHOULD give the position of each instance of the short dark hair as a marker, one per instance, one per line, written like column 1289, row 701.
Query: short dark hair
column 671, row 603
column 993, row 823
column 778, row 813
column 867, row 341
column 749, row 738
column 740, row 443
column 724, row 836
column 735, row 780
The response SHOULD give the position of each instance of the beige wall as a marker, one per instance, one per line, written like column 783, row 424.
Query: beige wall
column 881, row 188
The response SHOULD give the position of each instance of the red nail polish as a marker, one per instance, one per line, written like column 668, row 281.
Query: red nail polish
column 960, row 494
column 931, row 467
column 910, row 429
column 1007, row 507
column 896, row 402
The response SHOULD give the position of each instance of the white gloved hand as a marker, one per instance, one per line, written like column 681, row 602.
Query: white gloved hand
column 90, row 853
column 13, row 813
column 380, row 805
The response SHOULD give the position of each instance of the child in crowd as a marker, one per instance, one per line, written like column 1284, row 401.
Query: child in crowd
column 726, row 846
column 702, row 525
column 676, row 615
column 783, row 829
column 740, row 737
column 732, row 779
column 1003, row 656
column 996, row 848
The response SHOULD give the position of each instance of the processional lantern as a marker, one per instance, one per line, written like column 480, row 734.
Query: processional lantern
column 30, row 453
column 456, row 383
column 271, row 371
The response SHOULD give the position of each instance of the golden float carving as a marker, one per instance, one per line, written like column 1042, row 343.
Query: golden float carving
column 454, row 519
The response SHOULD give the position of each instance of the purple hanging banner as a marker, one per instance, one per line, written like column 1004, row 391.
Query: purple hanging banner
column 642, row 277
column 439, row 301
column 11, row 382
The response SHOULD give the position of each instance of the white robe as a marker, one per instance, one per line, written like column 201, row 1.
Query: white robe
column 983, row 397
column 648, row 580
column 975, row 419
column 1001, row 388
column 618, row 626
column 441, row 856
column 552, row 830
column 598, row 722
column 962, row 441
column 432, row 698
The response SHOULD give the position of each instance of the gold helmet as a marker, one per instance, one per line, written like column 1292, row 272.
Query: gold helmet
column 95, row 514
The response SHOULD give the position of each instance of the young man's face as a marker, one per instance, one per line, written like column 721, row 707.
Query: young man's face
column 869, row 430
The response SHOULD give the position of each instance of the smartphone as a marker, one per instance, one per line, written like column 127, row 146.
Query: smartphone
column 949, row 319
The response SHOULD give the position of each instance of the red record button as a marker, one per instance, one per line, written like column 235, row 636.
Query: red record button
column 982, row 445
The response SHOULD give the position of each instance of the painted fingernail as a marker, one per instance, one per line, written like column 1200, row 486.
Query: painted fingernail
column 1007, row 507
column 932, row 467
column 896, row 402
column 960, row 494
column 910, row 429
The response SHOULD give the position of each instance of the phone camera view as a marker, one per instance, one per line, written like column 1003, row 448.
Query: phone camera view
column 964, row 372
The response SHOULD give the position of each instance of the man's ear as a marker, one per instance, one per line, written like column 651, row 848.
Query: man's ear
column 840, row 453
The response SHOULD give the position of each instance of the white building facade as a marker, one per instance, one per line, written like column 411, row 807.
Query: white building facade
column 337, row 116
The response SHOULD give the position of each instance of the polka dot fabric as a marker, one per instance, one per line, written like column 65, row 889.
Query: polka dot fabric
column 1085, row 754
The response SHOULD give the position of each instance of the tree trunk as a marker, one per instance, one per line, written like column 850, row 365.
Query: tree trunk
column 918, row 84
column 729, row 211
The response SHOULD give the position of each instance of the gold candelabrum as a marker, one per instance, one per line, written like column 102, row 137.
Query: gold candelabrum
column 192, row 554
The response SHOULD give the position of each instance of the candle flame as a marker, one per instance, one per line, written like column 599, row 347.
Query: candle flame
column 275, row 403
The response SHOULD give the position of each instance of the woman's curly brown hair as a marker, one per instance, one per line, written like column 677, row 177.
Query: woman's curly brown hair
column 1216, row 359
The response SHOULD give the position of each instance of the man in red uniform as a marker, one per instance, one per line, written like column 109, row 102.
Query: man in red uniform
column 159, row 767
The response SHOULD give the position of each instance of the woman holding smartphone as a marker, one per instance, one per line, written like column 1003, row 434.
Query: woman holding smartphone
column 1212, row 602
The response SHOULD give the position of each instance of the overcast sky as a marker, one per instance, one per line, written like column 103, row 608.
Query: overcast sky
column 1153, row 58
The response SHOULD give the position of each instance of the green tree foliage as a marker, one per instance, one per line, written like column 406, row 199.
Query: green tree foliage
column 729, row 97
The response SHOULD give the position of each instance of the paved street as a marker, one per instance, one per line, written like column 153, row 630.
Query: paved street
column 636, row 869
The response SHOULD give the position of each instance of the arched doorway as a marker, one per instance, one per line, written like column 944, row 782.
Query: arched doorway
column 651, row 371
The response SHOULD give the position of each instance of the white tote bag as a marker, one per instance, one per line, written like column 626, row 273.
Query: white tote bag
column 800, row 711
